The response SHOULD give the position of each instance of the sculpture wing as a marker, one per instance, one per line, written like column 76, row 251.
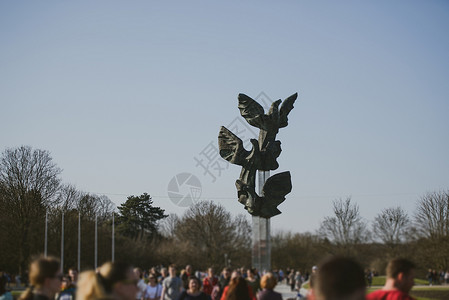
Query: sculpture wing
column 252, row 111
column 231, row 147
column 285, row 109
column 274, row 191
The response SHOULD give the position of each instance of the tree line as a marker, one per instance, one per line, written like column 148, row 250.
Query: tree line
column 206, row 235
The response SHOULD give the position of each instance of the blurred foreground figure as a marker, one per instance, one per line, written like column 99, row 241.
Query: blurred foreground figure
column 112, row 281
column 268, row 283
column 400, row 280
column 339, row 278
column 45, row 279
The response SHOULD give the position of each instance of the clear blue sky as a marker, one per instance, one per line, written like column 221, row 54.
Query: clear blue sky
column 126, row 94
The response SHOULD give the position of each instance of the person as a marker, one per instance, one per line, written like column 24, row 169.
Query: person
column 223, row 282
column 4, row 294
column 298, row 280
column 73, row 274
column 172, row 285
column 400, row 280
column 67, row 289
column 253, row 281
column 209, row 282
column 268, row 283
column 193, row 291
column 291, row 280
column 164, row 274
column 154, row 289
column 237, row 289
column 113, row 280
column 338, row 278
column 186, row 275
column 141, row 285
column 45, row 277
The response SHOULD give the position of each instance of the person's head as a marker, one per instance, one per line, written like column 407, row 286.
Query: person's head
column 73, row 273
column 339, row 278
column 66, row 282
column 189, row 269
column 235, row 274
column 164, row 272
column 116, row 280
column 152, row 280
column 172, row 270
column 226, row 273
column 402, row 271
column 251, row 272
column 268, row 281
column 194, row 284
column 138, row 272
column 44, row 275
column 238, row 289
column 210, row 272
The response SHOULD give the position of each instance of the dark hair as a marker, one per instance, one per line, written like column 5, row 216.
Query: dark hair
column 40, row 269
column 238, row 289
column 339, row 277
column 111, row 273
column 399, row 265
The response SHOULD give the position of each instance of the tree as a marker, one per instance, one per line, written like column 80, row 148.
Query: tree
column 432, row 216
column 347, row 227
column 390, row 226
column 432, row 227
column 206, row 232
column 138, row 217
column 28, row 182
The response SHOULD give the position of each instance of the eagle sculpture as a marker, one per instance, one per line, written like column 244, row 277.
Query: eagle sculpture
column 262, row 156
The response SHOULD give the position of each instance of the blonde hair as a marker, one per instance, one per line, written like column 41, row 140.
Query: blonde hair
column 99, row 285
column 268, row 281
column 89, row 287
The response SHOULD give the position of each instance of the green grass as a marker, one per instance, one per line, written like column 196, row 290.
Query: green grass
column 380, row 281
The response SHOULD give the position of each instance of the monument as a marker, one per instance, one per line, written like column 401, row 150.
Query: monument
column 260, row 159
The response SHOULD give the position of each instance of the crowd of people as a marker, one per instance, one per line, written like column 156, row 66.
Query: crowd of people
column 333, row 279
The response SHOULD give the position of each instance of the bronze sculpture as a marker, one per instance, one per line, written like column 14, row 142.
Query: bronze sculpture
column 262, row 157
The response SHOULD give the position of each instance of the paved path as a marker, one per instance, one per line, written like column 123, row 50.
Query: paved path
column 285, row 291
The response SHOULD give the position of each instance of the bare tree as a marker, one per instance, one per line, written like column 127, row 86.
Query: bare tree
column 168, row 225
column 391, row 226
column 432, row 216
column 207, row 232
column 29, row 183
column 346, row 227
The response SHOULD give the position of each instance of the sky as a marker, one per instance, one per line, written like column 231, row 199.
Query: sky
column 129, row 96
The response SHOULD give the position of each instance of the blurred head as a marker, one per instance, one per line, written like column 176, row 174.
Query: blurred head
column 340, row 278
column 189, row 269
column 210, row 272
column 172, row 270
column 138, row 272
column 268, row 281
column 403, row 272
column 73, row 273
column 152, row 280
column 194, row 284
column 66, row 282
column 226, row 272
column 116, row 280
column 238, row 289
column 235, row 274
column 44, row 275
column 164, row 272
column 119, row 279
